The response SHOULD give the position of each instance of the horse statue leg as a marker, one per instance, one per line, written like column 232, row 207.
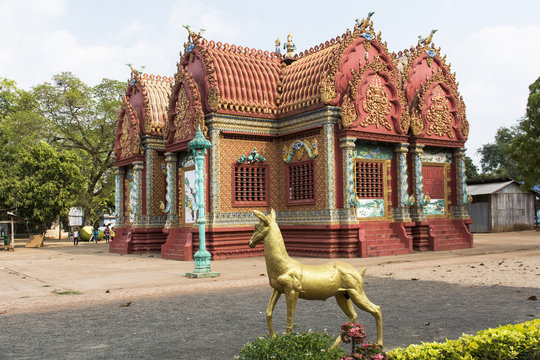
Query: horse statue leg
column 292, row 299
column 347, row 307
column 273, row 300
column 361, row 300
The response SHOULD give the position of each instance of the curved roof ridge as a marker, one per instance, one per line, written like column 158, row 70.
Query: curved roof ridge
column 156, row 90
column 324, row 45
column 239, row 49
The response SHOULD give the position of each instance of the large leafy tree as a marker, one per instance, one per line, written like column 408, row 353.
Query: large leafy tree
column 495, row 159
column 20, row 128
column 471, row 170
column 524, row 148
column 46, row 184
column 82, row 120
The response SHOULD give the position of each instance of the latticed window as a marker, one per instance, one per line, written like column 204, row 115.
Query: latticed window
column 250, row 184
column 369, row 180
column 301, row 179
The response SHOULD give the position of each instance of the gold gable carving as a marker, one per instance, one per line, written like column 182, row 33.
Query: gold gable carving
column 348, row 113
column 438, row 114
column 376, row 105
column 327, row 90
column 130, row 142
column 182, row 118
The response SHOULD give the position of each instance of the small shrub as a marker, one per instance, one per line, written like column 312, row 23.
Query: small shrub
column 510, row 342
column 298, row 346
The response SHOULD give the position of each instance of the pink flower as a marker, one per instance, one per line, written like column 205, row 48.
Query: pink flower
column 378, row 357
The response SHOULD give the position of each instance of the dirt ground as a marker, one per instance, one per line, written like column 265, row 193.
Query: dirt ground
column 60, row 275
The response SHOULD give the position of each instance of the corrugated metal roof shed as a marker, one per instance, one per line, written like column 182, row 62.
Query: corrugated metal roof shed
column 491, row 188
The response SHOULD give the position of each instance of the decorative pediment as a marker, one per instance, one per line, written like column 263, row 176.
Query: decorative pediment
column 149, row 95
column 436, row 109
column 439, row 112
column 355, row 52
column 198, row 61
column 375, row 101
column 128, row 140
column 185, row 110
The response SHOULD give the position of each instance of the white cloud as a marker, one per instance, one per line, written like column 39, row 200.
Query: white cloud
column 201, row 15
column 134, row 28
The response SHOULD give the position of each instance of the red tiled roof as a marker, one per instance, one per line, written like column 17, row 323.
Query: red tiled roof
column 156, row 91
column 246, row 78
column 301, row 79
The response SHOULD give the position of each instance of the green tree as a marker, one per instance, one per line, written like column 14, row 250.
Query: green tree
column 83, row 120
column 471, row 170
column 495, row 161
column 45, row 186
column 524, row 148
column 20, row 128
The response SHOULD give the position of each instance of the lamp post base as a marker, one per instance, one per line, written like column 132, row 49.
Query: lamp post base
column 202, row 265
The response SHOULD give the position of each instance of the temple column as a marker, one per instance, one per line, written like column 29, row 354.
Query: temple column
column 171, row 208
column 401, row 212
column 119, row 196
column 150, row 156
column 459, row 210
column 417, row 210
column 330, row 176
column 138, row 167
column 215, row 179
column 347, row 148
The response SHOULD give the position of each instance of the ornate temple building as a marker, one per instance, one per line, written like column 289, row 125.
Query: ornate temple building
column 358, row 150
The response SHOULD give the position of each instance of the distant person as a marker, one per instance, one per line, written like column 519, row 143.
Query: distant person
column 96, row 233
column 75, row 237
column 107, row 233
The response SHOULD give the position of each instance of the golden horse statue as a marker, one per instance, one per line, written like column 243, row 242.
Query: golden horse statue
column 312, row 282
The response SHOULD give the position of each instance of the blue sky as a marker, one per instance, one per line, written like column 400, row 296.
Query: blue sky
column 493, row 46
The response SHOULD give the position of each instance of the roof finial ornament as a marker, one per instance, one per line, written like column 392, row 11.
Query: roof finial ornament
column 426, row 40
column 193, row 37
column 362, row 24
column 134, row 73
column 278, row 46
column 290, row 46
column 133, row 70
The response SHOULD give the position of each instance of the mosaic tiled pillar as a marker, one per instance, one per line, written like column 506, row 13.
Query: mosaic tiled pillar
column 119, row 196
column 150, row 156
column 417, row 210
column 172, row 179
column 216, row 176
column 138, row 167
column 330, row 168
column 347, row 147
column 401, row 211
column 459, row 211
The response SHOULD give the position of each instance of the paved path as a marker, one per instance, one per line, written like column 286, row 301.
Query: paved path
column 424, row 296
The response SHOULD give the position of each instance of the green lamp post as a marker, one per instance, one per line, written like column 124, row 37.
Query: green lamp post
column 198, row 146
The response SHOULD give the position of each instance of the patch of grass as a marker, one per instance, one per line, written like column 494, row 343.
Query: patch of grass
column 46, row 286
column 66, row 292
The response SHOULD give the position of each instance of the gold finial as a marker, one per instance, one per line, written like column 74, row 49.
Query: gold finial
column 426, row 40
column 289, row 46
column 193, row 37
column 278, row 45
column 362, row 24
